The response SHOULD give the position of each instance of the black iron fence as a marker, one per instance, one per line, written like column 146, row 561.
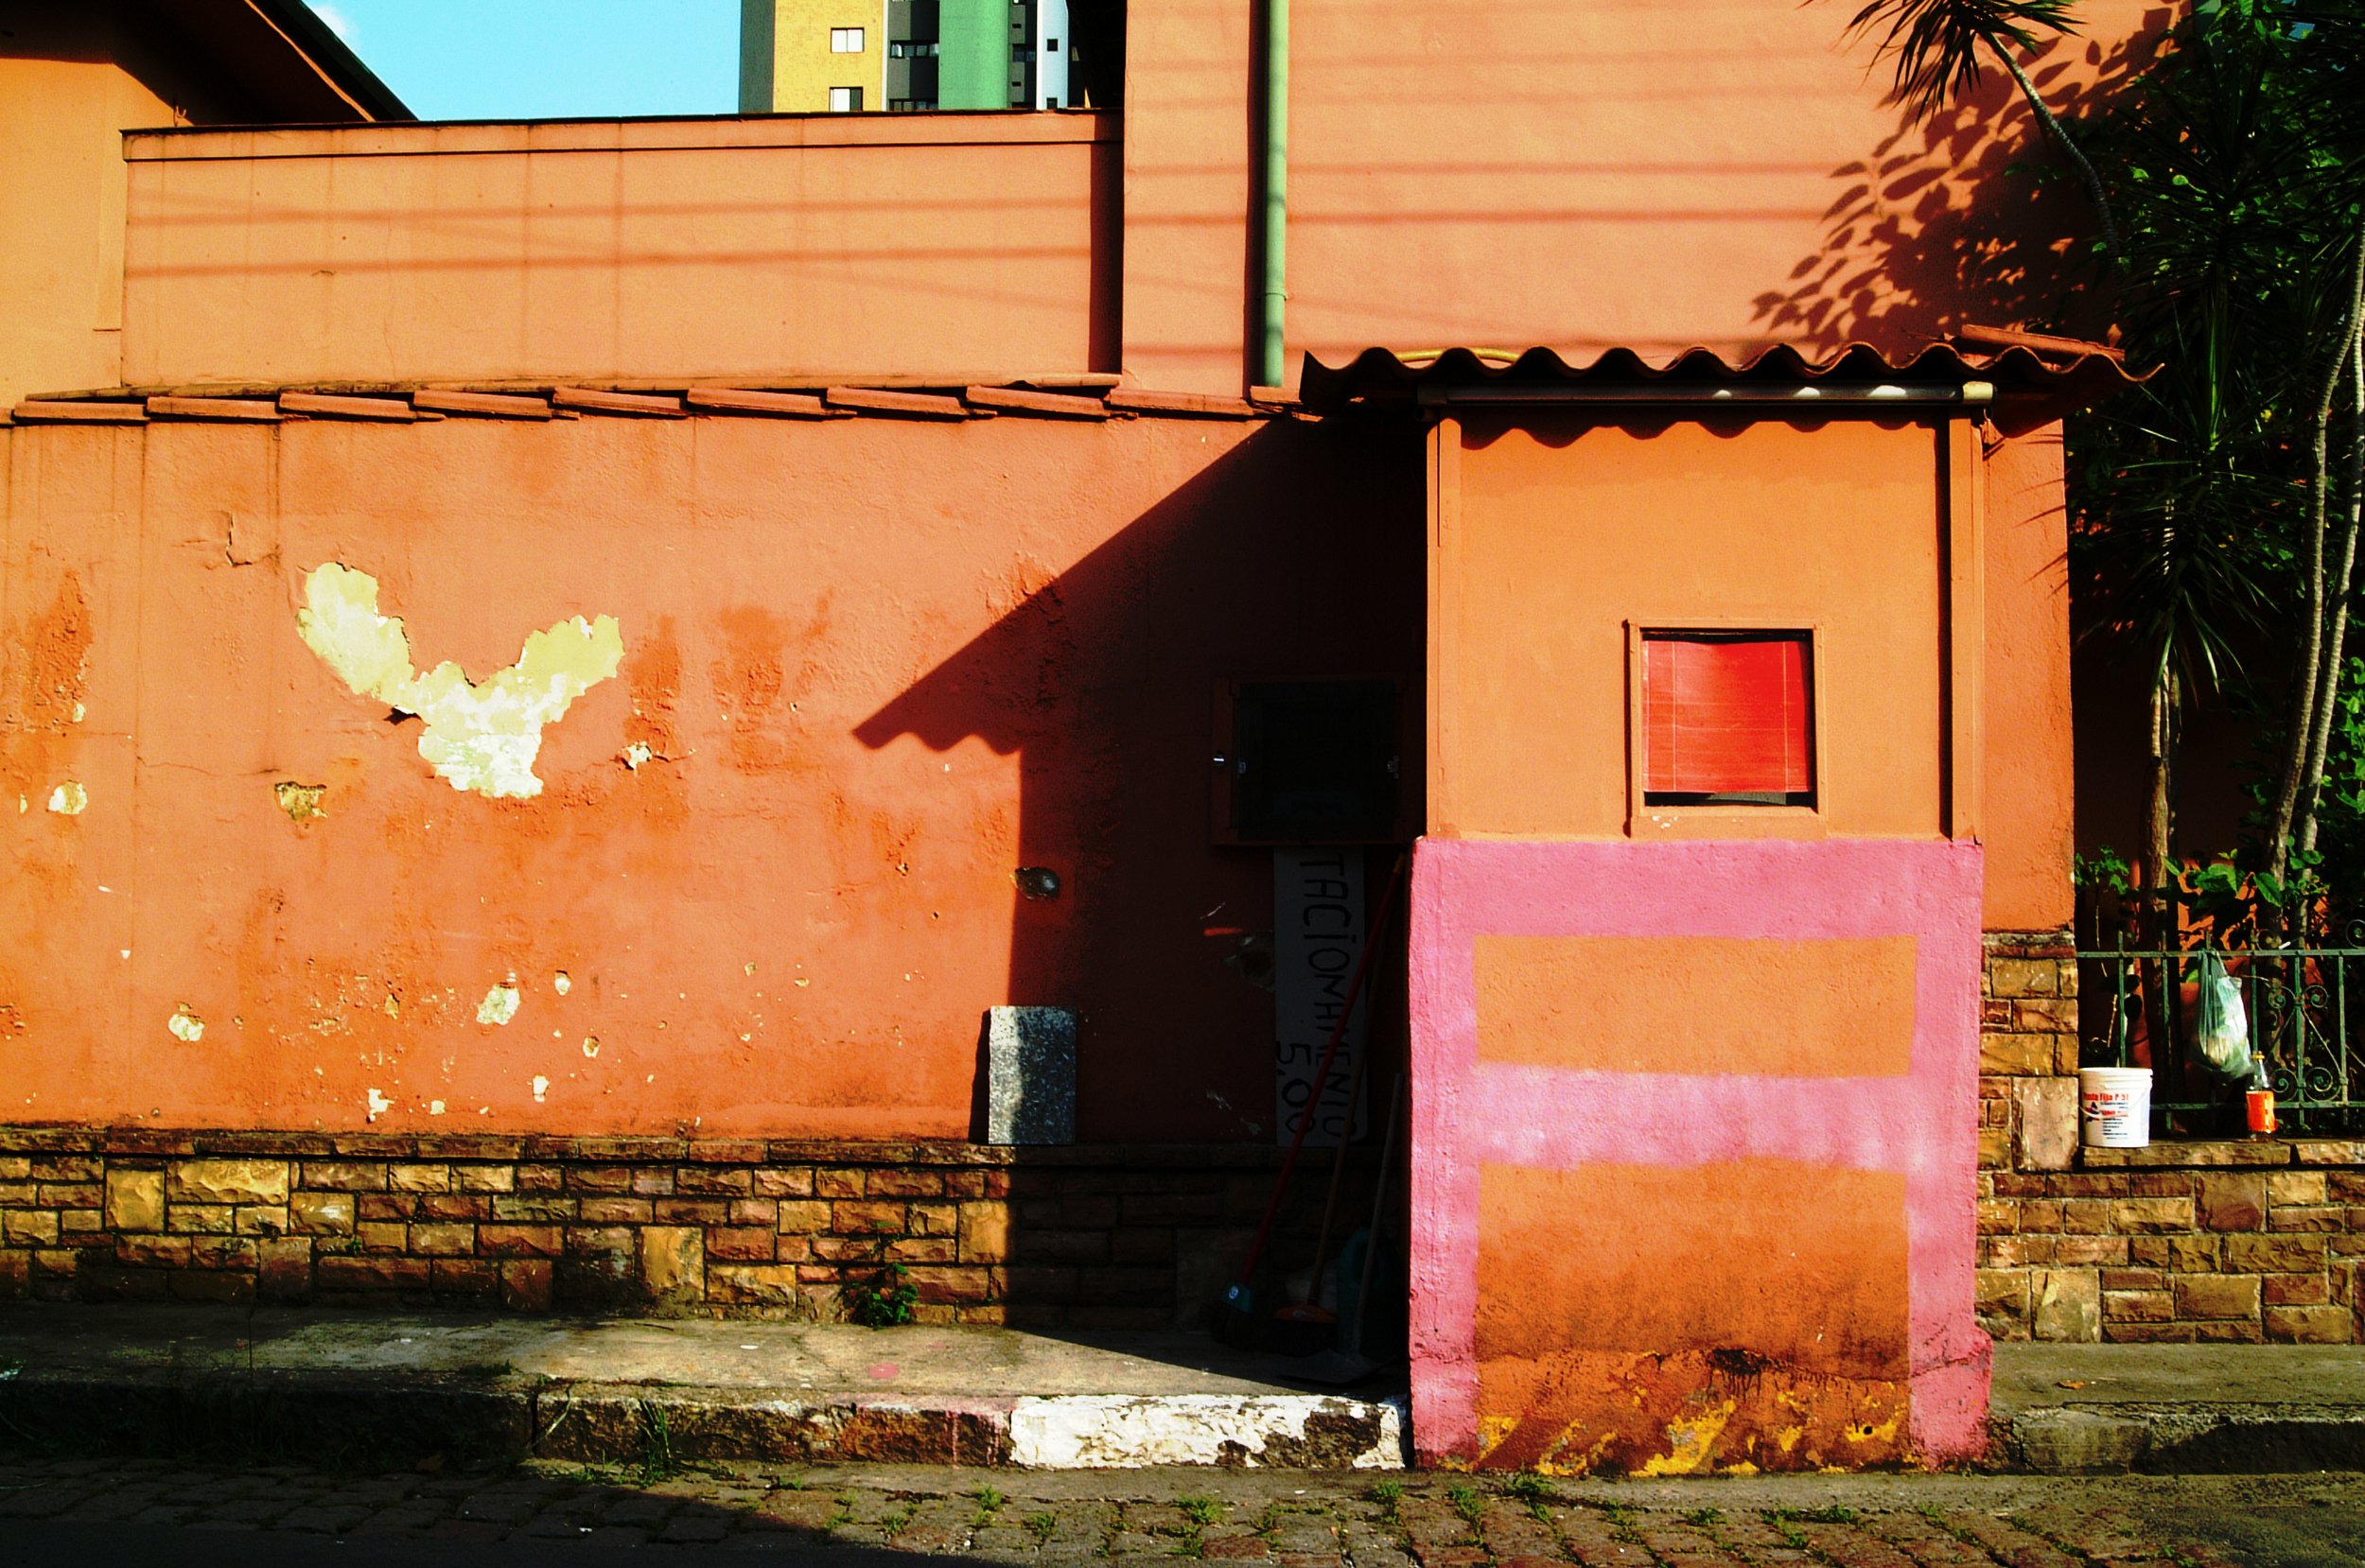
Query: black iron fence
column 2136, row 1008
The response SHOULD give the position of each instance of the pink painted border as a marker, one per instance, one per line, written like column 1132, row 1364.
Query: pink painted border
column 1923, row 1124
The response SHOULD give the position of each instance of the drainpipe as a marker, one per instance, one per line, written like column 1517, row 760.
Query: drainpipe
column 1274, row 232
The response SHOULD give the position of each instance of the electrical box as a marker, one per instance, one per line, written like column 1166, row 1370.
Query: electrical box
column 1308, row 762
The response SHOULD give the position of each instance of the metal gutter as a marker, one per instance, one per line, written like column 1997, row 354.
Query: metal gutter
column 1273, row 233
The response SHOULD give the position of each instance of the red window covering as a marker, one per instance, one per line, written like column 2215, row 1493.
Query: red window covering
column 1727, row 714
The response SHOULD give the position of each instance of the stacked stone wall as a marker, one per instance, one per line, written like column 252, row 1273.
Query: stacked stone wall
column 1085, row 1237
column 2219, row 1241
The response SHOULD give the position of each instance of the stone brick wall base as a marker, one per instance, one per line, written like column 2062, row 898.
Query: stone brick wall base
column 2241, row 1241
column 1083, row 1237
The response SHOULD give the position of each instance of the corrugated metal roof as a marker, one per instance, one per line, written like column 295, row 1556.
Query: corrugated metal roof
column 2028, row 386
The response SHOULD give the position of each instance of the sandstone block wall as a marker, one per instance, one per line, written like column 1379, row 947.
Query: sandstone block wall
column 1083, row 1237
column 2243, row 1241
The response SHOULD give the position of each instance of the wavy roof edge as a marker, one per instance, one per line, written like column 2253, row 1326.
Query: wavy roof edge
column 2043, row 384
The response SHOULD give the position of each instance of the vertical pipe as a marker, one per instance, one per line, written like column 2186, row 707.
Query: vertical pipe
column 1274, row 231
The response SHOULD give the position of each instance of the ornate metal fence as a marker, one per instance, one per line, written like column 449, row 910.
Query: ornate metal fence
column 2302, row 1025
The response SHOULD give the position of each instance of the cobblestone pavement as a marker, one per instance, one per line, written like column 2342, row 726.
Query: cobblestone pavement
column 1280, row 1518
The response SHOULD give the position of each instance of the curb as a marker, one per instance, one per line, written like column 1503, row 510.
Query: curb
column 2179, row 1439
column 339, row 1419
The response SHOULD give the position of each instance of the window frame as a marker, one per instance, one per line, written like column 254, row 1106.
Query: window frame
column 861, row 36
column 853, row 100
column 1726, row 819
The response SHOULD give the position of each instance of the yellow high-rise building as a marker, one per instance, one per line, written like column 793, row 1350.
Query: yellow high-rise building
column 799, row 57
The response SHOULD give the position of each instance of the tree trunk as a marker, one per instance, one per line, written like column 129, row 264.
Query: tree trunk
column 2309, row 687
column 2328, row 700
column 2060, row 135
column 2160, row 917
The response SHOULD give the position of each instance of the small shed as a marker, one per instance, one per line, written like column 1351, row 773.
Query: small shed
column 1696, row 912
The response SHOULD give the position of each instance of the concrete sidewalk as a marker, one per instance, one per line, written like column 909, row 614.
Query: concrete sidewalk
column 2233, row 1409
column 608, row 1390
column 320, row 1384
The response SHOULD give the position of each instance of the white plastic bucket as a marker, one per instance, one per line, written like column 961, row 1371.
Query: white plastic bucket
column 2114, row 1107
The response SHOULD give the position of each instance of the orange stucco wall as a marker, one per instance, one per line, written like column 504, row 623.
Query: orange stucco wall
column 877, row 667
column 1719, row 172
column 2030, row 777
column 64, row 99
column 1561, row 537
column 971, row 246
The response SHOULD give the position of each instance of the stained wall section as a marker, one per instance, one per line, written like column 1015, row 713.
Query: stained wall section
column 765, row 887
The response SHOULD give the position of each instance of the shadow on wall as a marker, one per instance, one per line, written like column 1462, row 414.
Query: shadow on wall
column 1296, row 554
column 1947, row 223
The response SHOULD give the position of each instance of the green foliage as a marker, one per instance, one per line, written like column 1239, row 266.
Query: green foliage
column 2105, row 870
column 1040, row 1525
column 1465, row 1500
column 883, row 1301
column 1200, row 1510
column 1387, row 1494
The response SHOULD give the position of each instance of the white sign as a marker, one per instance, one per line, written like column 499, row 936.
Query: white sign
column 1318, row 941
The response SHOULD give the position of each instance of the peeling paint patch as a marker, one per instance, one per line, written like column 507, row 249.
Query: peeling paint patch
column 435, row 1108
column 301, row 802
column 562, row 982
column 477, row 737
column 69, row 800
column 591, row 1045
column 185, row 1025
column 541, row 1088
column 498, row 1006
column 636, row 755
column 379, row 1105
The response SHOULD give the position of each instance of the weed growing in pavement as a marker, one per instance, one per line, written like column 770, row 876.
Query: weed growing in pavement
column 1704, row 1517
column 1200, row 1510
column 845, row 1514
column 1465, row 1501
column 894, row 1521
column 1040, row 1525
column 1387, row 1494
column 883, row 1301
column 1620, row 1519
column 1531, row 1490
column 658, row 1462
column 1785, row 1524
column 1835, row 1513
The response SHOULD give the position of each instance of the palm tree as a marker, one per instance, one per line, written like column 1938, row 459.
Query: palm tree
column 1938, row 46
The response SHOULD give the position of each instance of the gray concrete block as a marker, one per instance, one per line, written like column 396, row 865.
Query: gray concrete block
column 1030, row 1076
column 2079, row 1442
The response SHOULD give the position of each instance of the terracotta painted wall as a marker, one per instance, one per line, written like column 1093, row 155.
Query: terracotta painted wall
column 1718, row 172
column 1564, row 535
column 839, row 246
column 63, row 102
column 1752, row 1247
column 2031, row 773
column 876, row 666
column 1696, row 1088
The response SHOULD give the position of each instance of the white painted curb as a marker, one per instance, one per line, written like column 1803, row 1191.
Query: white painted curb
column 1094, row 1431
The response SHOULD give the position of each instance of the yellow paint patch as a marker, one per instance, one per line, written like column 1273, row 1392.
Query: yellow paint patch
column 477, row 737
column 1690, row 1444
column 301, row 802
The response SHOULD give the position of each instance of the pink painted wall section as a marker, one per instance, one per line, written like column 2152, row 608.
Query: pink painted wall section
column 1635, row 1362
column 965, row 245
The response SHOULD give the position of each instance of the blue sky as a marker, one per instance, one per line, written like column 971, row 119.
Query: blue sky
column 475, row 59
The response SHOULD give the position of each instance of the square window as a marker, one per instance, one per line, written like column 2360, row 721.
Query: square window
column 1728, row 719
column 846, row 40
column 845, row 100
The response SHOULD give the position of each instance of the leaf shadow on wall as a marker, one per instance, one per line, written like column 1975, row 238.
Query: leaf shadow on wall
column 1973, row 216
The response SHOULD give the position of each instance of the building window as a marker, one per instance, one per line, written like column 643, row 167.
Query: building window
column 1727, row 718
column 1051, row 45
column 846, row 40
column 845, row 100
column 911, row 49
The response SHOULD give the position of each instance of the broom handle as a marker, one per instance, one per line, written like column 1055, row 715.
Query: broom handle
column 1322, row 1074
column 1379, row 1204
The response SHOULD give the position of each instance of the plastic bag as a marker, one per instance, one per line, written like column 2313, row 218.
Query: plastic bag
column 2221, row 1024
